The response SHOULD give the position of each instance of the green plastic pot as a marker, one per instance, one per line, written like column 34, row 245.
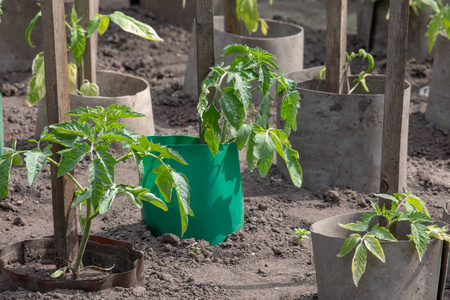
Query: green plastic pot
column 1, row 126
column 216, row 191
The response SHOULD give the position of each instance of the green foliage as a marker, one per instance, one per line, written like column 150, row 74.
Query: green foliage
column 92, row 142
column 301, row 234
column 404, row 207
column 77, row 46
column 247, row 11
column 440, row 22
column 361, row 76
column 229, row 115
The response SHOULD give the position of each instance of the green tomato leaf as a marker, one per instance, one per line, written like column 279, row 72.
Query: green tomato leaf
column 77, row 42
column 242, row 88
column 65, row 139
column 36, row 87
column 97, row 176
column 71, row 157
column 81, row 197
column 418, row 204
column 420, row 238
column 5, row 167
column 182, row 190
column 247, row 11
column 433, row 30
column 242, row 135
column 134, row 26
column 164, row 182
column 210, row 118
column 72, row 77
column 107, row 161
column 266, row 79
column 30, row 28
column 250, row 149
column 358, row 226
column 89, row 89
column 290, row 105
column 107, row 200
column 232, row 108
column 58, row 273
column 359, row 263
column 234, row 48
column 35, row 160
column 374, row 246
column 151, row 198
column 382, row 233
column 264, row 151
column 139, row 163
column 74, row 127
column 164, row 151
column 349, row 244
column 265, row 110
column 212, row 140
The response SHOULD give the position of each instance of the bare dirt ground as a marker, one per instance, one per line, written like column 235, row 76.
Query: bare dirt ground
column 262, row 261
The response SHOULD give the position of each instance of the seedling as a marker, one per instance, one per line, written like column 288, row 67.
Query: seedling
column 241, row 121
column 301, row 234
column 404, row 207
column 361, row 76
column 91, row 136
column 78, row 35
column 193, row 249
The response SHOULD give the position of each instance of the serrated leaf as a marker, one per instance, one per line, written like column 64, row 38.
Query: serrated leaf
column 211, row 118
column 212, row 140
column 266, row 79
column 107, row 161
column 77, row 42
column 182, row 191
column 420, row 238
column 75, row 127
column 35, row 161
column 382, row 233
column 36, row 87
column 81, row 197
column 232, row 109
column 289, row 155
column 164, row 151
column 367, row 217
column 418, row 204
column 164, row 182
column 106, row 202
column 242, row 135
column 242, row 88
column 349, row 244
column 64, row 139
column 97, row 176
column 374, row 246
column 71, row 157
column 134, row 26
column 5, row 167
column 139, row 164
column 151, row 198
column 30, row 28
column 376, row 207
column 89, row 89
column 358, row 226
column 359, row 263
column 290, row 105
column 265, row 110
column 264, row 151
column 233, row 48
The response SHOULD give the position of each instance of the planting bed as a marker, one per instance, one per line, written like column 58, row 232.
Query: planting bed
column 262, row 261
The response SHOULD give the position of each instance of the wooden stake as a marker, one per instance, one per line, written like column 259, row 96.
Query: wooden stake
column 232, row 24
column 204, row 29
column 57, row 97
column 395, row 123
column 336, row 43
column 87, row 9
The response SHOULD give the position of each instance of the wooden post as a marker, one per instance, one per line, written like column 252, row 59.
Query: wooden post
column 57, row 96
column 204, row 29
column 87, row 9
column 336, row 43
column 232, row 24
column 395, row 122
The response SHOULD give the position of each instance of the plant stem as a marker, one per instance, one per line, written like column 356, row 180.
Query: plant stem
column 68, row 174
column 84, row 239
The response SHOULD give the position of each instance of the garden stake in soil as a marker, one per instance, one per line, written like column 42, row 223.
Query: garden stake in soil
column 336, row 42
column 204, row 27
column 395, row 123
column 57, row 94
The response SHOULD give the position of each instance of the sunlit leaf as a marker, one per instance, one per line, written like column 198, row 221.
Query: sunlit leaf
column 134, row 26
column 359, row 263
column 35, row 160
column 349, row 244
column 374, row 246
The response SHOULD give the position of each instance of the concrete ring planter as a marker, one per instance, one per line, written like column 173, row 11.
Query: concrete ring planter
column 339, row 136
column 402, row 276
column 284, row 40
column 438, row 107
column 114, row 88
column 129, row 265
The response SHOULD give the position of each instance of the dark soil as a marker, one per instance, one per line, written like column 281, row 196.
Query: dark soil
column 262, row 261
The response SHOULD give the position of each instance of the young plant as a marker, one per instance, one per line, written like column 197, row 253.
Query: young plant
column 361, row 76
column 78, row 35
column 301, row 234
column 91, row 136
column 240, row 121
column 404, row 207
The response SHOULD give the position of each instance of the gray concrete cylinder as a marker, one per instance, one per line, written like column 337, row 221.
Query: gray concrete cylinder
column 402, row 276
column 284, row 40
column 114, row 88
column 438, row 107
column 339, row 137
